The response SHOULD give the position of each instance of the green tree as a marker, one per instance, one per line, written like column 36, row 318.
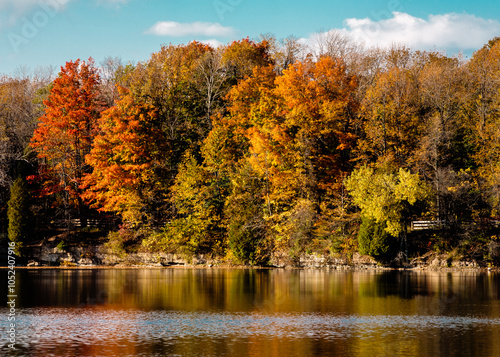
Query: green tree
column 246, row 223
column 19, row 214
column 198, row 228
column 374, row 240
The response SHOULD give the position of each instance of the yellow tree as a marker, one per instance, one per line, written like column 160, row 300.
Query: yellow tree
column 385, row 198
column 482, row 118
column 298, row 130
column 241, row 57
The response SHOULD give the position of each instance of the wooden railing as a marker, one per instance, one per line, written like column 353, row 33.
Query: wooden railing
column 93, row 223
column 420, row 225
column 494, row 222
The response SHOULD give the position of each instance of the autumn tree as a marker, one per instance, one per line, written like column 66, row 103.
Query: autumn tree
column 163, row 110
column 440, row 83
column 319, row 107
column 167, row 83
column 199, row 202
column 482, row 118
column 297, row 135
column 241, row 57
column 385, row 197
column 251, row 147
column 126, row 158
column 200, row 195
column 64, row 133
column 391, row 108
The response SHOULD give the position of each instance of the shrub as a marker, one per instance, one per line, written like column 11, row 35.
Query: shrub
column 115, row 244
column 62, row 245
column 374, row 240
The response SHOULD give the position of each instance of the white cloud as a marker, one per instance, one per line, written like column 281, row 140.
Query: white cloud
column 19, row 7
column 13, row 10
column 212, row 42
column 448, row 31
column 178, row 29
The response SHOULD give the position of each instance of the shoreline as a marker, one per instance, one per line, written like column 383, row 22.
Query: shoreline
column 349, row 268
column 98, row 257
column 352, row 269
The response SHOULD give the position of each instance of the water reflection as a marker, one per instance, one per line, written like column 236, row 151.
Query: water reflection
column 223, row 312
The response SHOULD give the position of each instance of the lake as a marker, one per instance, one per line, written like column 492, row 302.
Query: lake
column 251, row 312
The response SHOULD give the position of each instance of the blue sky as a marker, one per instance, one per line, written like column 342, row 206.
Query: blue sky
column 50, row 32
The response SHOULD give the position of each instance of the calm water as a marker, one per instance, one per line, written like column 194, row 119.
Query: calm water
column 223, row 312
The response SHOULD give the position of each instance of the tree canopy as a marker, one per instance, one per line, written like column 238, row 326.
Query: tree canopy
column 263, row 147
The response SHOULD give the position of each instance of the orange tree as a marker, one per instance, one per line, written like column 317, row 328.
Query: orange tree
column 297, row 136
column 124, row 156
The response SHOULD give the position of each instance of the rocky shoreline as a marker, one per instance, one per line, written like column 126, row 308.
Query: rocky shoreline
column 98, row 256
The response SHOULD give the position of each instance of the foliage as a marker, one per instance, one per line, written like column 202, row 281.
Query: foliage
column 294, row 229
column 19, row 214
column 115, row 245
column 482, row 117
column 374, row 240
column 124, row 157
column 198, row 228
column 246, row 226
column 62, row 245
column 126, row 240
column 65, row 132
column 260, row 148
column 386, row 196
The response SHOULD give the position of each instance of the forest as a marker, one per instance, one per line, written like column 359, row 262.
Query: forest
column 260, row 148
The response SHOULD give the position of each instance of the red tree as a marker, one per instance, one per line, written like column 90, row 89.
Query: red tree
column 65, row 132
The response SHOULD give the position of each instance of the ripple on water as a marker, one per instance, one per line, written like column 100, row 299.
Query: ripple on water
column 49, row 326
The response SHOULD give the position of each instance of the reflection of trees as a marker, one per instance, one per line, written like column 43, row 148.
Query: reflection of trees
column 369, row 307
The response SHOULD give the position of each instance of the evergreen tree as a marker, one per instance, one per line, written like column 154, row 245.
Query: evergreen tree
column 374, row 240
column 19, row 214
